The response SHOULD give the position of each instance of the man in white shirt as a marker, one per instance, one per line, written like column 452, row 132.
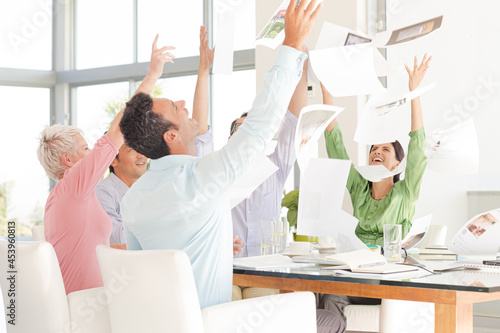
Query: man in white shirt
column 180, row 203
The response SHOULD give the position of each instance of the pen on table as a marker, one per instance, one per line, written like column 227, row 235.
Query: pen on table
column 372, row 264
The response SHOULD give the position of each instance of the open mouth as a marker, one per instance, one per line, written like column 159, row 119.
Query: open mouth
column 141, row 163
column 377, row 160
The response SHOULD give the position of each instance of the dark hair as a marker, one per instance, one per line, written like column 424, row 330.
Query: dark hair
column 244, row 114
column 400, row 154
column 143, row 129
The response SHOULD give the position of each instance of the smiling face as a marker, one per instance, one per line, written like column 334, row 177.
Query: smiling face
column 129, row 165
column 384, row 154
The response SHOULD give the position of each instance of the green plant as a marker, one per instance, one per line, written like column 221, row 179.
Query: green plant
column 291, row 201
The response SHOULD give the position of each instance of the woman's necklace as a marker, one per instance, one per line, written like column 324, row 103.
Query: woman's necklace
column 378, row 199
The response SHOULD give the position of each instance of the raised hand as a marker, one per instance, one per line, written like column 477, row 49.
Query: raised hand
column 158, row 58
column 417, row 74
column 299, row 21
column 206, row 54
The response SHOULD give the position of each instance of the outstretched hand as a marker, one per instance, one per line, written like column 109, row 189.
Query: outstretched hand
column 206, row 54
column 299, row 21
column 418, row 72
column 159, row 57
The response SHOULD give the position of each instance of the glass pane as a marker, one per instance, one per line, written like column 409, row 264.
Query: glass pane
column 232, row 95
column 26, row 40
column 104, row 33
column 244, row 26
column 177, row 88
column 24, row 187
column 177, row 22
column 96, row 107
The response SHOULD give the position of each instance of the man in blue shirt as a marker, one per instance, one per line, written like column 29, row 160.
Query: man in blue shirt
column 181, row 203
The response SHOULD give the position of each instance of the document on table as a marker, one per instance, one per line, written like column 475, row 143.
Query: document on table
column 311, row 124
column 347, row 70
column 454, row 150
column 408, row 33
column 377, row 173
column 243, row 187
column 480, row 236
column 267, row 262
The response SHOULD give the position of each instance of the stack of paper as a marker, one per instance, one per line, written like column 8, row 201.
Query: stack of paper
column 266, row 262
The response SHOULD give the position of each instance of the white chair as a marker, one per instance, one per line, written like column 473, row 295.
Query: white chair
column 38, row 233
column 155, row 291
column 40, row 298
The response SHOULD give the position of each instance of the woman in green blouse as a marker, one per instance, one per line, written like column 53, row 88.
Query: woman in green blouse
column 391, row 200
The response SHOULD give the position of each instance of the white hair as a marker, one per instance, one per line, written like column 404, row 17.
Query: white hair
column 55, row 141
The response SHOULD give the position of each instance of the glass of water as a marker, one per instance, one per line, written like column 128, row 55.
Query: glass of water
column 267, row 237
column 392, row 242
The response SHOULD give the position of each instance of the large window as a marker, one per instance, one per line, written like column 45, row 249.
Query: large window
column 104, row 33
column 26, row 28
column 96, row 107
column 23, row 183
column 177, row 23
column 61, row 59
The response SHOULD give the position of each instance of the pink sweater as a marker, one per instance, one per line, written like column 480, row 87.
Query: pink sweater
column 75, row 223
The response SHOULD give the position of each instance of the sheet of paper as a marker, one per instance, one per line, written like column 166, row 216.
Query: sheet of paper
column 480, row 236
column 408, row 33
column 373, row 129
column 393, row 103
column 223, row 57
column 417, row 232
column 333, row 35
column 320, row 206
column 382, row 66
column 273, row 33
column 241, row 189
column 347, row 70
column 377, row 173
column 313, row 120
column 455, row 150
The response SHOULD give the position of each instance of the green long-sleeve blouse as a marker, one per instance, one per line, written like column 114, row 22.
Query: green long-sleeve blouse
column 398, row 206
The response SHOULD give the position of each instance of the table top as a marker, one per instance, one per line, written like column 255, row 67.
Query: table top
column 459, row 280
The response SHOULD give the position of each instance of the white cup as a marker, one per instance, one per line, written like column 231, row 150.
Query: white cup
column 326, row 242
column 300, row 247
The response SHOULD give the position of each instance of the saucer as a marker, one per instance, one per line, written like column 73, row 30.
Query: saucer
column 290, row 254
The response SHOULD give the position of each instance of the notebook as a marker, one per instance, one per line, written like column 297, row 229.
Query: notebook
column 274, row 261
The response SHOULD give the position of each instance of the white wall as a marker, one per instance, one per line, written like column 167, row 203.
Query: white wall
column 466, row 54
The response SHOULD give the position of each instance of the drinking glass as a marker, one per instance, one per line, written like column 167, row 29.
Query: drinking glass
column 267, row 237
column 392, row 242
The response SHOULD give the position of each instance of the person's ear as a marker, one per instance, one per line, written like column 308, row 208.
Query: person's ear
column 171, row 136
column 114, row 164
column 66, row 160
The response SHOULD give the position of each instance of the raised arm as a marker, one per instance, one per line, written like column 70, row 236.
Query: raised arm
column 299, row 98
column 200, row 103
column 158, row 58
column 328, row 100
column 415, row 77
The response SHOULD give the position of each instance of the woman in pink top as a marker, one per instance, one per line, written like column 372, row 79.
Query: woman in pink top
column 75, row 223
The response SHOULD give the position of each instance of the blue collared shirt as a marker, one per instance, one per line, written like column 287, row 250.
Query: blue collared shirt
column 181, row 203
column 110, row 192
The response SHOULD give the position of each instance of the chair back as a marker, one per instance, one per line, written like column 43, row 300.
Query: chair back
column 38, row 233
column 435, row 235
column 150, row 291
column 40, row 298
column 88, row 310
